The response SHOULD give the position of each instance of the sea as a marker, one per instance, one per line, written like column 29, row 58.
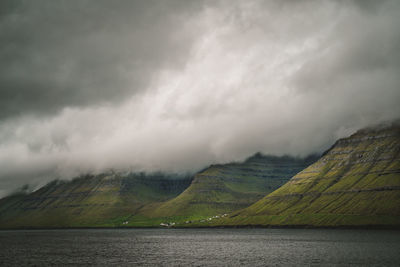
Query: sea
column 200, row 247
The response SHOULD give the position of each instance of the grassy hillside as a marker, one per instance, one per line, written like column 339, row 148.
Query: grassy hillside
column 222, row 189
column 102, row 200
column 356, row 183
column 115, row 199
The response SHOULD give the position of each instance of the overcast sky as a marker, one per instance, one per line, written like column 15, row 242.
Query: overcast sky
column 177, row 85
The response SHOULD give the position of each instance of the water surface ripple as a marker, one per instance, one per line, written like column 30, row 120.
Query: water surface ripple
column 200, row 247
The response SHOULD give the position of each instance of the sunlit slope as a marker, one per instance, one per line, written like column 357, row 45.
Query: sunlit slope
column 357, row 182
column 102, row 200
column 225, row 188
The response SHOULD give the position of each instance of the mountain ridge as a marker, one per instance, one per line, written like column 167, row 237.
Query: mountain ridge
column 355, row 183
column 122, row 199
column 222, row 188
column 88, row 201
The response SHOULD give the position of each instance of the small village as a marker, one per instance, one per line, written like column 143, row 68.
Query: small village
column 209, row 219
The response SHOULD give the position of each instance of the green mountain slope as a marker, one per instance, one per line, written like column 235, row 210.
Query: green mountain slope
column 356, row 183
column 116, row 199
column 102, row 200
column 224, row 188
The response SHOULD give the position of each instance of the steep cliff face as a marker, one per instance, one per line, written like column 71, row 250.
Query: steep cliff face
column 101, row 200
column 356, row 182
column 224, row 188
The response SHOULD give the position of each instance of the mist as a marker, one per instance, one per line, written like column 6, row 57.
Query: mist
column 173, row 86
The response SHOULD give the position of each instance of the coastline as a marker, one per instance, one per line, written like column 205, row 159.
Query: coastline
column 342, row 227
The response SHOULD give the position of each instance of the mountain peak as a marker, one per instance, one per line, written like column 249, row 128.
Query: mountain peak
column 356, row 182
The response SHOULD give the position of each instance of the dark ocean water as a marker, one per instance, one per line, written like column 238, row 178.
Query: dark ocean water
column 200, row 247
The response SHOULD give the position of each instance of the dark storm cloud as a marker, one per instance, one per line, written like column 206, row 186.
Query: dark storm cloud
column 55, row 54
column 177, row 85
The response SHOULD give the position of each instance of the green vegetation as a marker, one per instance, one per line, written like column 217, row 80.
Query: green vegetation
column 356, row 183
column 225, row 188
column 138, row 200
column 90, row 201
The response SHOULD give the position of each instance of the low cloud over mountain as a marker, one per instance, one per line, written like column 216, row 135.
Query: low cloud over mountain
column 176, row 85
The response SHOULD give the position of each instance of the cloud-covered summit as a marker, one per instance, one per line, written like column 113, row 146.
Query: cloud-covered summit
column 177, row 85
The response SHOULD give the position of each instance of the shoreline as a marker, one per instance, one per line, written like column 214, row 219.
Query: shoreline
column 311, row 227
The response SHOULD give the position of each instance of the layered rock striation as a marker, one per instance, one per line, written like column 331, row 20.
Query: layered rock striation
column 224, row 188
column 355, row 183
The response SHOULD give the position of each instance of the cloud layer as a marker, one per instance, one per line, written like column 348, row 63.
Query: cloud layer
column 177, row 85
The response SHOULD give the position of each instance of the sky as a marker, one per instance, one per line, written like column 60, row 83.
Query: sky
column 90, row 85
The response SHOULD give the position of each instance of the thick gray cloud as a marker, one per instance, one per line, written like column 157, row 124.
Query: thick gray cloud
column 56, row 54
column 177, row 85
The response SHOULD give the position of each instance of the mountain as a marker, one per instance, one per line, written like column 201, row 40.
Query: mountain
column 116, row 199
column 355, row 183
column 93, row 200
column 224, row 188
